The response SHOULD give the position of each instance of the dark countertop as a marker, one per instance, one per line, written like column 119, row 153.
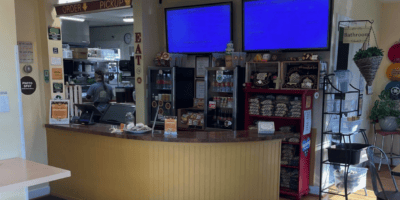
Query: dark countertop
column 223, row 136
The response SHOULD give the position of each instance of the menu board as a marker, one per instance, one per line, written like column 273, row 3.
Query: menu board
column 25, row 50
column 59, row 112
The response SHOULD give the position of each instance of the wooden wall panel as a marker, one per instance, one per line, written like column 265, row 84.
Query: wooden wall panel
column 112, row 168
column 217, row 171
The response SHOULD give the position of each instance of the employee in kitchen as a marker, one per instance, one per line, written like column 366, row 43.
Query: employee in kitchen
column 100, row 92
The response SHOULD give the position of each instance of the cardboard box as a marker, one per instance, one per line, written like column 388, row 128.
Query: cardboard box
column 80, row 53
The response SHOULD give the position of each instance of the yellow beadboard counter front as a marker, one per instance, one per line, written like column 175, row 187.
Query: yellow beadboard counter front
column 106, row 166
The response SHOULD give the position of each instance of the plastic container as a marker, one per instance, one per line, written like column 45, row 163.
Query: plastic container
column 348, row 153
column 348, row 127
column 356, row 179
column 67, row 54
column 333, row 106
column 343, row 78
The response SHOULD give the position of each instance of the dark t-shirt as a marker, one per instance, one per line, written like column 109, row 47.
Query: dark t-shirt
column 100, row 96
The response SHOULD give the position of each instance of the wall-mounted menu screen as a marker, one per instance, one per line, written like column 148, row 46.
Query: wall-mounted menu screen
column 286, row 25
column 199, row 29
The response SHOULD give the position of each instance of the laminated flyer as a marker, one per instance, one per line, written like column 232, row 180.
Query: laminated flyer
column 59, row 112
column 171, row 125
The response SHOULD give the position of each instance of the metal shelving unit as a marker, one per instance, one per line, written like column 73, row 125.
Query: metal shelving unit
column 327, row 83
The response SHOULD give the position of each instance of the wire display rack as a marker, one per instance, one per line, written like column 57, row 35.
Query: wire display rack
column 330, row 89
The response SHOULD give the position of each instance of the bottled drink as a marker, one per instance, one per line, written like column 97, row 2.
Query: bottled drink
column 169, row 82
column 164, row 82
column 129, row 120
column 224, row 118
column 218, row 118
column 231, row 83
column 158, row 81
column 229, row 120
column 224, row 83
column 214, row 84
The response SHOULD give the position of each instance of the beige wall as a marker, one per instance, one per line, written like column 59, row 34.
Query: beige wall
column 10, row 132
column 147, row 16
column 389, row 34
column 28, row 29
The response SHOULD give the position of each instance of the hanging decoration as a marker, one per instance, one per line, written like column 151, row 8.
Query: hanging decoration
column 369, row 60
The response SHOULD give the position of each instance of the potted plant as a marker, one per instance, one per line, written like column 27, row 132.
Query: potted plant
column 368, row 62
column 384, row 113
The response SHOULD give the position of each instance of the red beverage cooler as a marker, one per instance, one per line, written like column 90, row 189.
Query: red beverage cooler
column 224, row 98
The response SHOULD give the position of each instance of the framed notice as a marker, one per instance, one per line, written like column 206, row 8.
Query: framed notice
column 59, row 112
column 25, row 51
column 201, row 63
column 200, row 89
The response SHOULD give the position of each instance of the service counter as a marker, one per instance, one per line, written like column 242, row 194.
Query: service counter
column 191, row 165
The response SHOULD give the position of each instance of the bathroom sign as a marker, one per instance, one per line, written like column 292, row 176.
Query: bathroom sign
column 355, row 34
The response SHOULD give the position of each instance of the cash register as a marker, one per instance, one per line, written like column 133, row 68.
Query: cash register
column 89, row 111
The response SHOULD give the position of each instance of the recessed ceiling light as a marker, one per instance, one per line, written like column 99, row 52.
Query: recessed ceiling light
column 67, row 1
column 73, row 19
column 128, row 19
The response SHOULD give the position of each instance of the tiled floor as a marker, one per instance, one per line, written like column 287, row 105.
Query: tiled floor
column 384, row 175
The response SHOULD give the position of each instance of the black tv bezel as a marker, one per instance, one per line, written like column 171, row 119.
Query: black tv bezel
column 328, row 48
column 195, row 6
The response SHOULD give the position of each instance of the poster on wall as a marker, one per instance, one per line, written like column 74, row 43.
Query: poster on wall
column 4, row 102
column 57, row 73
column 28, row 85
column 25, row 51
column 54, row 33
column 58, row 88
column 59, row 112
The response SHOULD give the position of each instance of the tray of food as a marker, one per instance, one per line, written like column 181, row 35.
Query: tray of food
column 138, row 129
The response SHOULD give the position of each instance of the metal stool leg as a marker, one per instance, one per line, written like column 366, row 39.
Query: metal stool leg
column 380, row 161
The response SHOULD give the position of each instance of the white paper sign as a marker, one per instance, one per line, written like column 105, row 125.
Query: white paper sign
column 201, row 64
column 200, row 89
column 307, row 122
column 56, row 61
column 355, row 34
column 4, row 102
column 25, row 50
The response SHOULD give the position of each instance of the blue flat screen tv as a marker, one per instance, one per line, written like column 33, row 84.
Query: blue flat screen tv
column 199, row 29
column 286, row 25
